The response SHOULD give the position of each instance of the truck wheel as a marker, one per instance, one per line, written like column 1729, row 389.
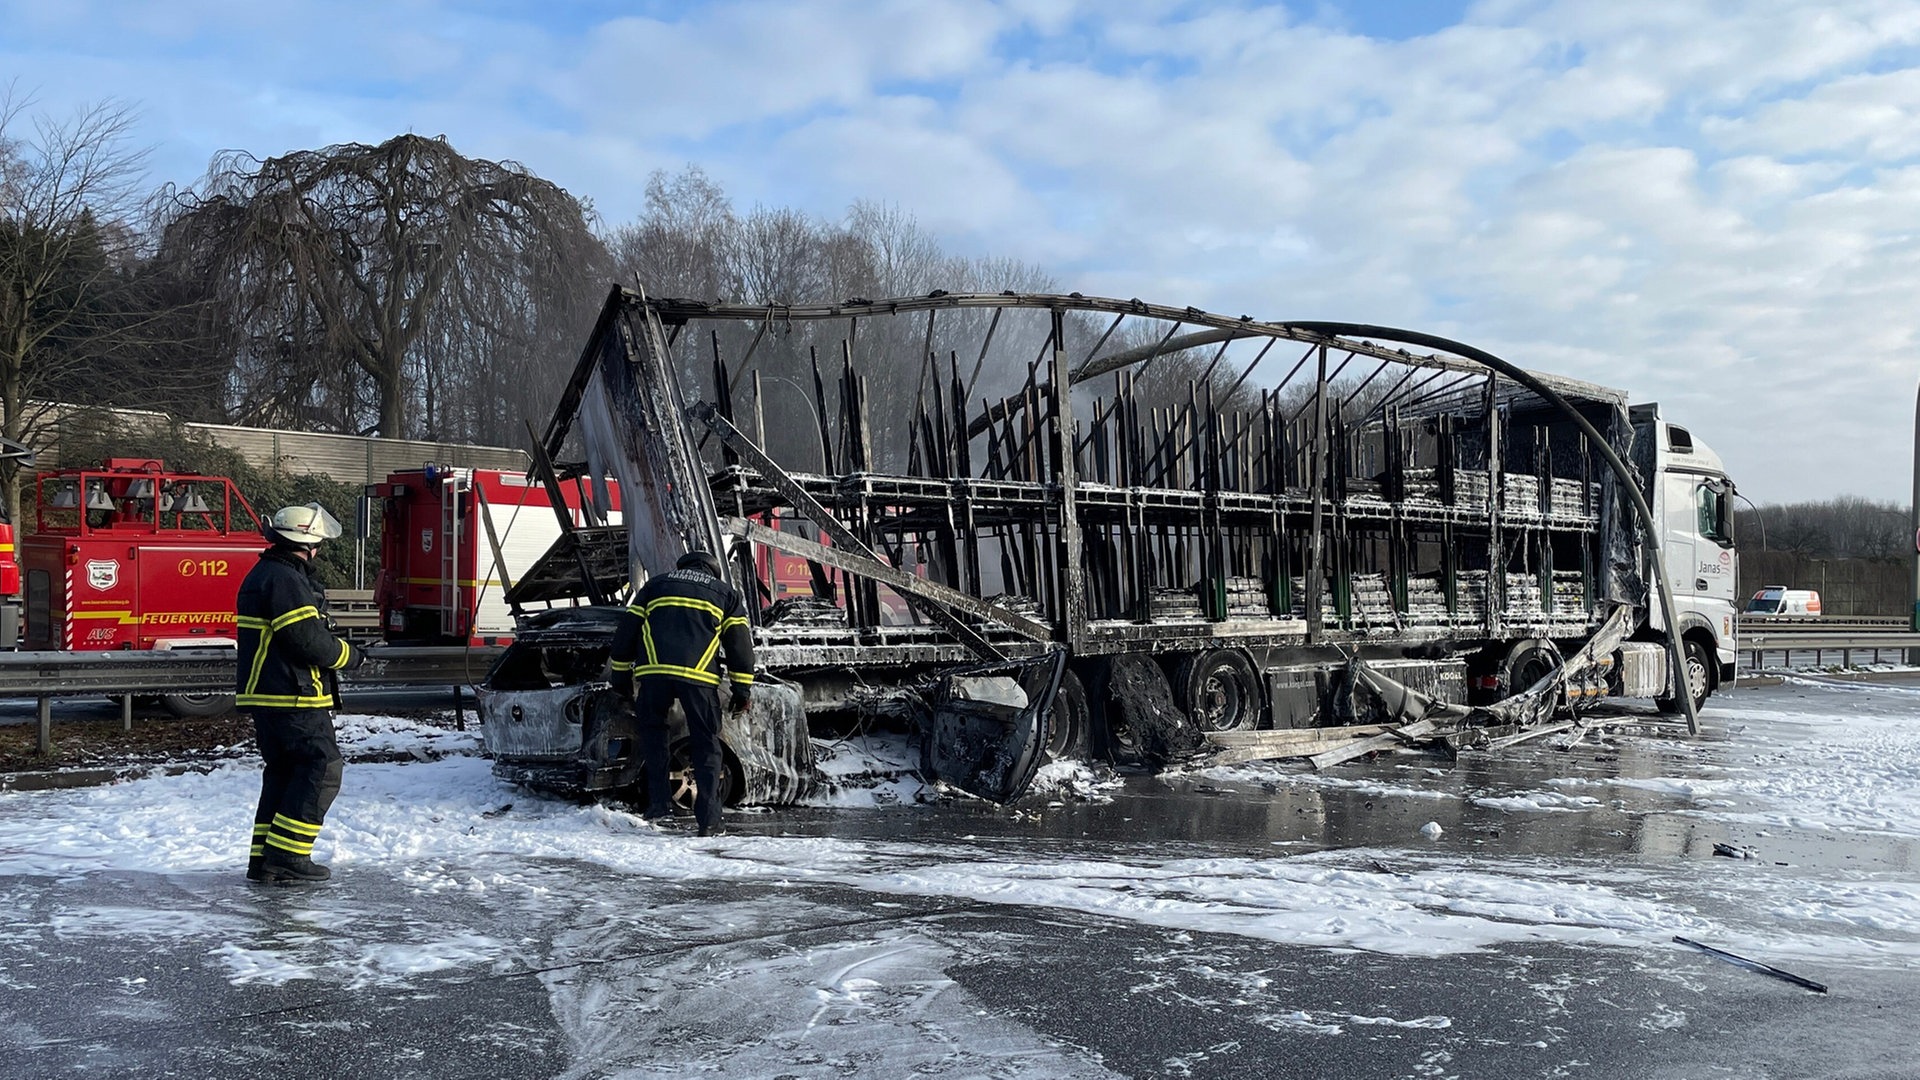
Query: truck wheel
column 1699, row 678
column 1527, row 663
column 190, row 706
column 1072, row 718
column 680, row 776
column 1219, row 690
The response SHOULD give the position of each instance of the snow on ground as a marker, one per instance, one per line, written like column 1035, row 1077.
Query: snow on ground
column 1812, row 756
column 1831, row 757
column 1825, row 756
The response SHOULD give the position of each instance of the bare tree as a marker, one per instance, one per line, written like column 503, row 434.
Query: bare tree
column 776, row 255
column 679, row 246
column 69, row 199
column 358, row 285
column 1843, row 527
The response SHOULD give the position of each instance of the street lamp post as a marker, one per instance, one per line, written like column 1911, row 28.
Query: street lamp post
column 811, row 411
column 1914, row 520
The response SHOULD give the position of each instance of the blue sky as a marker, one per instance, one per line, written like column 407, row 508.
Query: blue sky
column 1712, row 204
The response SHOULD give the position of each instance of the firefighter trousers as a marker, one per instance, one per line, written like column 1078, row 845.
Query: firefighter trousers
column 302, row 775
column 701, row 706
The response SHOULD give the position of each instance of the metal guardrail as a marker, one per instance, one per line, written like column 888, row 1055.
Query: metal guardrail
column 1822, row 624
column 1825, row 641
column 49, row 675
column 190, row 671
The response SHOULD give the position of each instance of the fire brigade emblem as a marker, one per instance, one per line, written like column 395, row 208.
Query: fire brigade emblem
column 103, row 574
column 426, row 539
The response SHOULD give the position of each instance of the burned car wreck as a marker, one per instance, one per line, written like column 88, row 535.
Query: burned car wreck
column 552, row 722
column 987, row 526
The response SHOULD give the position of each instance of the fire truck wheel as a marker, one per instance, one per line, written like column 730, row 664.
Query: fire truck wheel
column 680, row 776
column 188, row 706
column 1219, row 690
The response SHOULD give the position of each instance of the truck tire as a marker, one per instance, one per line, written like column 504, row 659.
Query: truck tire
column 1143, row 726
column 1220, row 690
column 192, row 706
column 1699, row 676
column 1527, row 663
column 1071, row 720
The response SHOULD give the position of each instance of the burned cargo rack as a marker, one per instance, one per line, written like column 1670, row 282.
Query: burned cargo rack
column 961, row 478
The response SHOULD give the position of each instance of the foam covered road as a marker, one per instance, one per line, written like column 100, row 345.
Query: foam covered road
column 1255, row 921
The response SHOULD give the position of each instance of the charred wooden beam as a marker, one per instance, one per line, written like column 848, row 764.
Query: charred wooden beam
column 912, row 586
column 773, row 474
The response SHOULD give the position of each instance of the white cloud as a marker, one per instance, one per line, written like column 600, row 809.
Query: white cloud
column 1867, row 119
column 1710, row 203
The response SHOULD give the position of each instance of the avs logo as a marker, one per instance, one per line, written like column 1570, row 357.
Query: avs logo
column 103, row 574
column 426, row 540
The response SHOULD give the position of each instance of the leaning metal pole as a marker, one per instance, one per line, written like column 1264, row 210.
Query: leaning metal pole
column 1676, row 652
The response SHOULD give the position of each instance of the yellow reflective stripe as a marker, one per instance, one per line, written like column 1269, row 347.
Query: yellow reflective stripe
column 296, row 826
column 345, row 653
column 636, row 609
column 282, row 701
column 259, row 661
column 696, row 675
column 743, row 678
column 646, row 638
column 288, row 844
column 623, row 665
column 737, row 620
column 251, row 622
column 257, row 850
column 294, row 616
column 707, row 606
column 713, row 647
column 260, row 830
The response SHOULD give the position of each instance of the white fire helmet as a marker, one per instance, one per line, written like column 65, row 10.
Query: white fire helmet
column 301, row 526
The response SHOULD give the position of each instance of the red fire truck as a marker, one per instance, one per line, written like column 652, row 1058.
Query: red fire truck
column 131, row 555
column 453, row 540
column 9, row 557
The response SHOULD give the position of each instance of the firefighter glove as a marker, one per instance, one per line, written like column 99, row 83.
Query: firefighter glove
column 355, row 657
column 742, row 695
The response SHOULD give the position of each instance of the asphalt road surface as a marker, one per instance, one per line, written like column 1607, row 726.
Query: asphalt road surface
column 1130, row 936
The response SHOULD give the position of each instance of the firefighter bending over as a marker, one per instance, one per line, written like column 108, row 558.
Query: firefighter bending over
column 286, row 683
column 667, row 649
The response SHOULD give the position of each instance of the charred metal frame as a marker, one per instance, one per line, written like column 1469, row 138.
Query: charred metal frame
column 1431, row 500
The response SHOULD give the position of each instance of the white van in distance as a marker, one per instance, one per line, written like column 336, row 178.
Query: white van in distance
column 1780, row 600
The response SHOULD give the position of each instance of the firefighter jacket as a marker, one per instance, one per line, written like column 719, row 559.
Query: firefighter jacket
column 677, row 627
column 285, row 643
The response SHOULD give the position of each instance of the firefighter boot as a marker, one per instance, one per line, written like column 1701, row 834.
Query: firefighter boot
column 286, row 868
column 256, row 854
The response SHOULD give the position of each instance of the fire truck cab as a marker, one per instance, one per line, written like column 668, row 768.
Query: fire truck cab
column 131, row 555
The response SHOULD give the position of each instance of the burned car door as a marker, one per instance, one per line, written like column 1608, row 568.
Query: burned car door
column 983, row 733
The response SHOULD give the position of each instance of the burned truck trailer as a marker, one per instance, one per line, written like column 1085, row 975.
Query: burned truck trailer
column 1218, row 522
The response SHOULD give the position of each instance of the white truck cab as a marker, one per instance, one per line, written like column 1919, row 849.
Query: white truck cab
column 1692, row 499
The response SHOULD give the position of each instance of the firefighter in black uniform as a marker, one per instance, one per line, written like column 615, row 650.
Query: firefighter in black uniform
column 667, row 649
column 286, row 682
